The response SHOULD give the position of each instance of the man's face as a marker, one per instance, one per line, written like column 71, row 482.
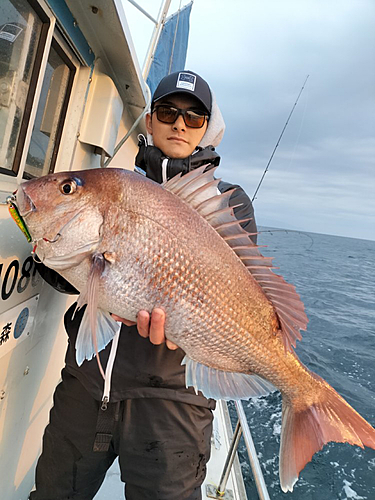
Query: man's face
column 176, row 140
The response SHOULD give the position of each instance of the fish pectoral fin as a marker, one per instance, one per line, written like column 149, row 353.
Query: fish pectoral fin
column 219, row 384
column 62, row 262
column 97, row 327
column 106, row 328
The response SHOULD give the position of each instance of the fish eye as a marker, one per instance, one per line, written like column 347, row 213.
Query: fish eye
column 68, row 187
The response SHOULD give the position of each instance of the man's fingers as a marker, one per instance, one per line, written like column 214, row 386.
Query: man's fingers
column 157, row 326
column 143, row 322
column 153, row 327
column 150, row 327
column 126, row 322
column 171, row 345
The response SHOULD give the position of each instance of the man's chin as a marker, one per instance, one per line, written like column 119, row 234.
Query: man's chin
column 178, row 151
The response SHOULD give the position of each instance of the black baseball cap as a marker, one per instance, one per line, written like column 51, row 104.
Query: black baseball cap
column 184, row 82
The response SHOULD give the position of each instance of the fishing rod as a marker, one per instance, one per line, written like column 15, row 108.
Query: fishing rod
column 279, row 139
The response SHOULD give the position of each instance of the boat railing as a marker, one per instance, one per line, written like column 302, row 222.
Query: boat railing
column 242, row 428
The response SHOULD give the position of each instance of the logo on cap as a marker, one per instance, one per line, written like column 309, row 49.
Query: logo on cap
column 186, row 81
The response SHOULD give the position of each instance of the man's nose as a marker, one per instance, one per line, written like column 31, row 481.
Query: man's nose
column 179, row 124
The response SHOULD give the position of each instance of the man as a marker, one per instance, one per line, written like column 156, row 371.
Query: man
column 159, row 429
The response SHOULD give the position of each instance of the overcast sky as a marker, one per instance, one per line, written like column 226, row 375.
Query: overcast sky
column 256, row 54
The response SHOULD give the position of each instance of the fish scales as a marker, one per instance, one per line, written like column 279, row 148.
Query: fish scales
column 159, row 251
column 197, row 296
column 194, row 285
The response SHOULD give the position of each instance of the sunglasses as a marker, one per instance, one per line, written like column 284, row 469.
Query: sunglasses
column 169, row 114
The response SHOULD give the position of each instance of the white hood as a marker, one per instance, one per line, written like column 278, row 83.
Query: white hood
column 216, row 126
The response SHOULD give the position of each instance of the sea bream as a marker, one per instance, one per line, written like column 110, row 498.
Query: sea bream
column 127, row 243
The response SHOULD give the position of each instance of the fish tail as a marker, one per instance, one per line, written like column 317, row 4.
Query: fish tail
column 306, row 431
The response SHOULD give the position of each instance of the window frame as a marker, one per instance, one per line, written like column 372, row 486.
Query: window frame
column 47, row 22
column 58, row 44
column 62, row 51
column 50, row 36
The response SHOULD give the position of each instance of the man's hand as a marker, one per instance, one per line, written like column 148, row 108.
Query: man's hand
column 153, row 327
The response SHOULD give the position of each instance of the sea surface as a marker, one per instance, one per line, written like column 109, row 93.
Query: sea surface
column 335, row 278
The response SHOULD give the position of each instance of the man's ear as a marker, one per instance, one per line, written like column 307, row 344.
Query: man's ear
column 149, row 123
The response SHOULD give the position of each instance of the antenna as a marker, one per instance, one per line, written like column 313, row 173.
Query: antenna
column 279, row 139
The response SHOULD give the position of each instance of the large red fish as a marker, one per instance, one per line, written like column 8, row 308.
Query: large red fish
column 128, row 244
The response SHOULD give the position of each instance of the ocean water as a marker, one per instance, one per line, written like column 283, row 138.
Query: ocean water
column 335, row 278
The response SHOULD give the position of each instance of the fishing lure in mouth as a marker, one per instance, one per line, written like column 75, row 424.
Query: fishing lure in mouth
column 16, row 216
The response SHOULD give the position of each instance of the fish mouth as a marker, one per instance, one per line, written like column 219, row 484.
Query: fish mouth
column 24, row 203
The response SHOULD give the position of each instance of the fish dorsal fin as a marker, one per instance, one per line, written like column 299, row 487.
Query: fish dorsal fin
column 195, row 186
column 199, row 189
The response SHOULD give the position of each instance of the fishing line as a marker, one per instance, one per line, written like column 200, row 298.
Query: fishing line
column 299, row 132
column 289, row 231
column 279, row 139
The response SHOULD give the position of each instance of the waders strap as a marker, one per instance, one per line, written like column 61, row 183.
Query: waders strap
column 107, row 417
column 108, row 412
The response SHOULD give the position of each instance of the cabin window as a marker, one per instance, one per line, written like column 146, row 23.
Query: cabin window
column 50, row 114
column 21, row 31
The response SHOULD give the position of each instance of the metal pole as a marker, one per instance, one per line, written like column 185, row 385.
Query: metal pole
column 229, row 461
column 254, row 462
column 132, row 128
column 174, row 39
column 155, row 38
column 143, row 11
